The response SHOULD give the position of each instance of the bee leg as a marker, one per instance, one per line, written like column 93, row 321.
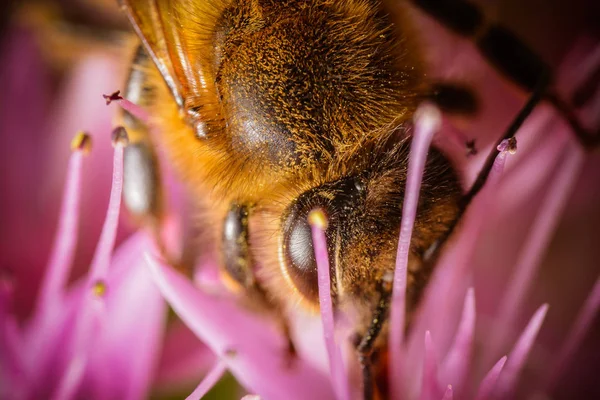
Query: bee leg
column 519, row 63
column 500, row 47
column 483, row 174
column 366, row 366
column 508, row 55
column 142, row 191
column 366, row 344
column 238, row 265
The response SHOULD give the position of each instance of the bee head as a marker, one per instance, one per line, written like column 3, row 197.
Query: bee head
column 364, row 212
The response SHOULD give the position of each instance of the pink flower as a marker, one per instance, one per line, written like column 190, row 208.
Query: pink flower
column 486, row 327
column 78, row 341
column 96, row 331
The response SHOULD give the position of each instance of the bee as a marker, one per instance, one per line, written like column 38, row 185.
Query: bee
column 269, row 109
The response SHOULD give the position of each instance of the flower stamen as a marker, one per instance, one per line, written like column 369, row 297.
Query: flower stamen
column 128, row 106
column 90, row 313
column 65, row 242
column 427, row 121
column 209, row 381
column 318, row 224
column 119, row 137
column 82, row 142
column 101, row 260
column 99, row 288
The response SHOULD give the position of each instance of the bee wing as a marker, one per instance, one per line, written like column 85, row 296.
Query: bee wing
column 159, row 24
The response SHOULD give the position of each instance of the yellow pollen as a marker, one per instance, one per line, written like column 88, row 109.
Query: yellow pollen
column 99, row 288
column 318, row 218
column 82, row 142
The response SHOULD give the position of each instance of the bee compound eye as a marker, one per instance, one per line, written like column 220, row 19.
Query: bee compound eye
column 300, row 262
column 336, row 199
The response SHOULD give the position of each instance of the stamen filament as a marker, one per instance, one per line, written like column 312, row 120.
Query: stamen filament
column 427, row 122
column 318, row 224
column 209, row 381
column 89, row 315
column 101, row 260
column 135, row 110
column 65, row 242
column 128, row 106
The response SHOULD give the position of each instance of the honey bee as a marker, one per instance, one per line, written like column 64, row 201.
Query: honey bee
column 271, row 108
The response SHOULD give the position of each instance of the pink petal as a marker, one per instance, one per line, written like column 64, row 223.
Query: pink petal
column 578, row 331
column 47, row 343
column 536, row 244
column 516, row 359
column 449, row 394
column 25, row 87
column 445, row 292
column 488, row 383
column 88, row 320
column 11, row 348
column 124, row 357
column 252, row 350
column 430, row 389
column 458, row 359
column 184, row 357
